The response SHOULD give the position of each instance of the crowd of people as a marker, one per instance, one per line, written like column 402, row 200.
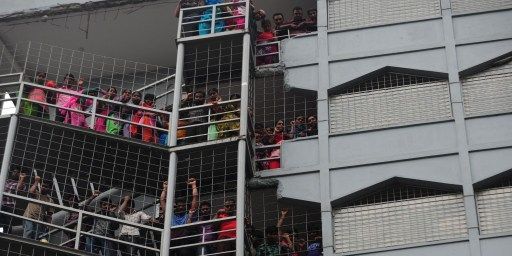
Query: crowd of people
column 130, row 114
column 266, row 47
column 217, row 236
column 269, row 139
column 198, row 21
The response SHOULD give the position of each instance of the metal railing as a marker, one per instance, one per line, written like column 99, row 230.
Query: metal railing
column 209, row 122
column 268, row 52
column 86, row 109
column 9, row 90
column 474, row 6
column 211, row 19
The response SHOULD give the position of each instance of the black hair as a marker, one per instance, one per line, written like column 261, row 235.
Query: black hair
column 277, row 14
column 231, row 200
column 149, row 96
column 201, row 92
column 127, row 90
column 205, row 203
column 234, row 96
column 213, row 90
column 297, row 8
column 265, row 22
column 137, row 92
column 179, row 200
column 311, row 10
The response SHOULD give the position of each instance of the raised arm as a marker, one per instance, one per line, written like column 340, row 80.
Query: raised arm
column 284, row 212
column 195, row 194
column 163, row 196
column 33, row 188
column 126, row 203
column 89, row 200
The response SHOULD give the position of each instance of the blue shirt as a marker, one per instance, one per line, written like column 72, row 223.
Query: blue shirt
column 179, row 219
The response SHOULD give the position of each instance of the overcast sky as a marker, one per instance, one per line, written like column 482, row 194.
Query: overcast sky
column 9, row 6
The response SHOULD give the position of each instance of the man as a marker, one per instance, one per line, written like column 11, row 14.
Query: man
column 33, row 230
column 227, row 229
column 271, row 245
column 104, row 227
column 130, row 233
column 13, row 185
column 280, row 28
column 206, row 230
column 298, row 23
column 311, row 22
column 128, row 111
column 196, row 116
column 181, row 217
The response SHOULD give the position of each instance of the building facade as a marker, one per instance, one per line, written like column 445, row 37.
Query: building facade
column 408, row 152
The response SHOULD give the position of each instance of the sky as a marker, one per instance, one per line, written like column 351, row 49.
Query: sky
column 9, row 6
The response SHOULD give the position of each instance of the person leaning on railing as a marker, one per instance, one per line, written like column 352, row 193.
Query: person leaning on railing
column 36, row 94
column 16, row 183
column 266, row 51
column 38, row 191
column 206, row 18
column 231, row 128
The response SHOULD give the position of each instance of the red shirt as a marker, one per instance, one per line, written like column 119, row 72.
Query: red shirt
column 227, row 228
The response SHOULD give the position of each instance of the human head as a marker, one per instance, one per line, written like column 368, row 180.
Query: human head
column 278, row 19
column 72, row 201
column 230, row 206
column 234, row 96
column 205, row 209
column 299, row 120
column 259, row 14
column 15, row 172
column 266, row 25
column 149, row 99
column 312, row 14
column 279, row 125
column 199, row 97
column 213, row 93
column 136, row 97
column 311, row 119
column 105, row 204
column 271, row 235
column 40, row 77
column 126, row 95
column 45, row 189
column 69, row 79
column 111, row 92
column 180, row 206
column 297, row 13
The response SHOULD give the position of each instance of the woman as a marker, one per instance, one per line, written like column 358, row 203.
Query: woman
column 207, row 16
column 268, row 50
column 148, row 119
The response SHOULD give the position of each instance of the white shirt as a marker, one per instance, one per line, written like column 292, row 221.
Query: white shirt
column 138, row 217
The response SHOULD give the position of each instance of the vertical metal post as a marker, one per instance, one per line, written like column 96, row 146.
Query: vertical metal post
column 171, row 180
column 6, row 160
column 78, row 230
column 19, row 96
column 214, row 14
column 240, row 198
column 93, row 112
column 248, row 13
column 178, row 81
column 242, row 147
column 244, row 101
column 173, row 158
column 180, row 24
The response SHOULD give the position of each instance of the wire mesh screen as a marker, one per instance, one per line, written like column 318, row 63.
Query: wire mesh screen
column 88, row 159
column 4, row 129
column 11, row 248
column 469, row 6
column 214, row 64
column 494, row 208
column 294, row 227
column 399, row 215
column 390, row 100
column 489, row 92
column 96, row 71
column 273, row 102
column 345, row 14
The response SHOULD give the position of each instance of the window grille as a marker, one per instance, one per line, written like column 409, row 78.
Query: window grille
column 489, row 92
column 346, row 14
column 390, row 100
column 399, row 215
column 494, row 208
column 469, row 6
column 274, row 103
column 302, row 221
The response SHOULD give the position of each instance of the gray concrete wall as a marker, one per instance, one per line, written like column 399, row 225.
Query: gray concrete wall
column 460, row 152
